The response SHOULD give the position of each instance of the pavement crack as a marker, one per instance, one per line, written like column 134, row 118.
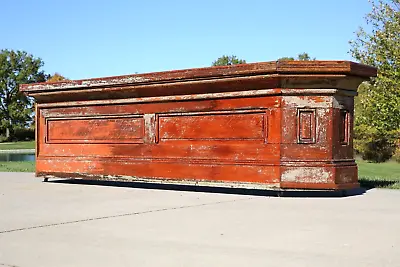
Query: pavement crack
column 117, row 216
column 8, row 265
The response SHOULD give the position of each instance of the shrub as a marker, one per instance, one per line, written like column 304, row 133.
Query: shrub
column 374, row 145
column 396, row 155
column 24, row 134
column 3, row 138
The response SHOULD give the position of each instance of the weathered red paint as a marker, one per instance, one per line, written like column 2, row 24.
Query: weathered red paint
column 285, row 124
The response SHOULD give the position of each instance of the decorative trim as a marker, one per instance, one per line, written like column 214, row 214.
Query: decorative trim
column 250, row 93
column 151, row 132
column 266, row 126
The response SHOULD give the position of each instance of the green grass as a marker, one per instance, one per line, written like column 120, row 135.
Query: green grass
column 17, row 166
column 381, row 175
column 17, row 145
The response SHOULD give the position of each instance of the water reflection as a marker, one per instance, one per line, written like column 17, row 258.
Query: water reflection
column 17, row 157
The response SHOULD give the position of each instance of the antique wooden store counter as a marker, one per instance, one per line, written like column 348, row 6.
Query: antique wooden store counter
column 284, row 124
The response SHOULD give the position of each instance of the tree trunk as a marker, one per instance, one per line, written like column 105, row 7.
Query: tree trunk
column 9, row 132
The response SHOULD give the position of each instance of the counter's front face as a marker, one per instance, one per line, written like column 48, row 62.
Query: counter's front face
column 265, row 141
column 234, row 140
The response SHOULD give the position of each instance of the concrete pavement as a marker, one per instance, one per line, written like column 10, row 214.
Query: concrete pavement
column 61, row 224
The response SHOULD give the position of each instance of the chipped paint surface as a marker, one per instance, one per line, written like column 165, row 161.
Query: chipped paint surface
column 251, row 125
column 306, row 101
column 188, row 181
column 151, row 128
column 306, row 175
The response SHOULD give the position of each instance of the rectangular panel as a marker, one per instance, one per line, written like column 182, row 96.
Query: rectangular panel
column 306, row 126
column 228, row 126
column 344, row 127
column 95, row 130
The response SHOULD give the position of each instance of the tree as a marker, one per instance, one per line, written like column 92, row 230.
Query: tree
column 302, row 57
column 228, row 60
column 56, row 77
column 17, row 67
column 286, row 58
column 377, row 121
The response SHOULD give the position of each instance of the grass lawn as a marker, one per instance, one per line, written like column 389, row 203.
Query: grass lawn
column 17, row 166
column 17, row 145
column 382, row 175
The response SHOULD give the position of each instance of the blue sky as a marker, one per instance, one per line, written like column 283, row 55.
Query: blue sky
column 95, row 38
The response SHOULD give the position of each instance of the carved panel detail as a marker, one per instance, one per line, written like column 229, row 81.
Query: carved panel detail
column 306, row 126
column 95, row 130
column 214, row 126
column 344, row 127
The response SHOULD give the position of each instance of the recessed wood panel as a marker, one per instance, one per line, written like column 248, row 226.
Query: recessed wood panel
column 95, row 130
column 228, row 126
column 344, row 127
column 306, row 126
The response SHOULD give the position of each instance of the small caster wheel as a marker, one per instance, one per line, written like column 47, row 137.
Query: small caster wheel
column 45, row 180
column 280, row 193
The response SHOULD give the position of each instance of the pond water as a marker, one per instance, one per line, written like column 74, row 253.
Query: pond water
column 17, row 157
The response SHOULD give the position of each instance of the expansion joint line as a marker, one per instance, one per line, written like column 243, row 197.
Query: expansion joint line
column 7, row 265
column 117, row 216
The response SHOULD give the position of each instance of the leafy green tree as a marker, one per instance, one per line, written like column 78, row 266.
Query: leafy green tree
column 286, row 58
column 302, row 57
column 17, row 67
column 228, row 60
column 56, row 77
column 377, row 121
